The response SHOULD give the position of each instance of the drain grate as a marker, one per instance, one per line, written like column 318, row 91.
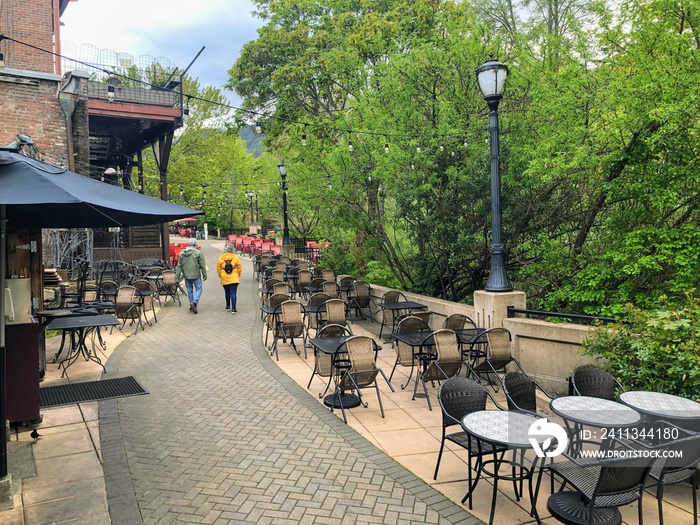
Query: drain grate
column 52, row 396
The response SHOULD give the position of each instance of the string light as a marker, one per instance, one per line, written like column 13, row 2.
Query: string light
column 258, row 128
column 442, row 146
column 386, row 147
column 303, row 136
column 350, row 146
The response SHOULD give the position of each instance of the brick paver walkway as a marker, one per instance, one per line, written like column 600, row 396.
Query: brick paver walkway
column 225, row 437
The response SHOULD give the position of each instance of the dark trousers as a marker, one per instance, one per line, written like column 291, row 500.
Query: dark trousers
column 230, row 292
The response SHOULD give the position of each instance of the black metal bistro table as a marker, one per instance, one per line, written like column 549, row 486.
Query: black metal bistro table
column 659, row 406
column 81, row 325
column 496, row 428
column 398, row 307
column 334, row 346
column 604, row 415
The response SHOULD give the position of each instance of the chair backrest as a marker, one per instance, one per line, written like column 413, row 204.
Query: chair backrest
column 361, row 293
column 447, row 346
column 143, row 285
column 411, row 324
column 458, row 322
column 292, row 317
column 126, row 295
column 328, row 275
column 277, row 274
column 333, row 330
column 459, row 396
column 393, row 296
column 498, row 345
column 318, row 270
column 279, row 265
column 620, row 476
column 264, row 261
column 363, row 367
column 280, row 288
column 317, row 281
column 168, row 277
column 277, row 299
column 335, row 311
column 589, row 380
column 154, row 271
column 269, row 284
column 330, row 288
column 520, row 391
column 303, row 265
column 109, row 289
column 318, row 298
column 303, row 278
column 284, row 259
column 345, row 280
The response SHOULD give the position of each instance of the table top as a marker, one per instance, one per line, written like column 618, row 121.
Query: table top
column 500, row 427
column 660, row 404
column 595, row 412
column 425, row 337
column 57, row 312
column 334, row 345
column 403, row 305
column 82, row 321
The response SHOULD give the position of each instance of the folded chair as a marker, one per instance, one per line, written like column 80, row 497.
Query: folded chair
column 446, row 362
column 362, row 373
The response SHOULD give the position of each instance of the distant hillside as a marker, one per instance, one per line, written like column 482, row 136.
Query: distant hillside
column 254, row 143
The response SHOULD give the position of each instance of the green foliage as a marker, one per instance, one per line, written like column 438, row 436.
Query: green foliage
column 381, row 275
column 657, row 350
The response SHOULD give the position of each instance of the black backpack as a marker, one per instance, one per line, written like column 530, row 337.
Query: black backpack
column 228, row 267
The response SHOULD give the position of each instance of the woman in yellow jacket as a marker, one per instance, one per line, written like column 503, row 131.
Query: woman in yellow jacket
column 229, row 269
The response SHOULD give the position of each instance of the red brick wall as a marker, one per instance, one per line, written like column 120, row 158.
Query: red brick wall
column 31, row 107
column 31, row 22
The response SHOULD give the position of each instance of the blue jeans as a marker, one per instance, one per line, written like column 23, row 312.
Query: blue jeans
column 194, row 295
column 230, row 292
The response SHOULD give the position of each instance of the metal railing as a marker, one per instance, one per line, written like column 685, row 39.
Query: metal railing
column 583, row 319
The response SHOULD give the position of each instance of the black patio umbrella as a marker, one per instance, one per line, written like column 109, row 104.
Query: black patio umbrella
column 34, row 194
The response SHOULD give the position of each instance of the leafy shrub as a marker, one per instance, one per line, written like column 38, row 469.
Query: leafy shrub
column 655, row 350
column 381, row 275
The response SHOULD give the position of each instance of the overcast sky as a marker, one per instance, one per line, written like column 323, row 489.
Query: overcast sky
column 173, row 29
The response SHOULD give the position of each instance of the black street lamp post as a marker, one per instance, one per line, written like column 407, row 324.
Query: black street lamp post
column 285, row 231
column 491, row 77
column 250, row 194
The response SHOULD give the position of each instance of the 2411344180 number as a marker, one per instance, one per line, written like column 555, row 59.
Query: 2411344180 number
column 653, row 434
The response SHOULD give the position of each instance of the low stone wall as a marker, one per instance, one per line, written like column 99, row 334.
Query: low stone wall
column 547, row 351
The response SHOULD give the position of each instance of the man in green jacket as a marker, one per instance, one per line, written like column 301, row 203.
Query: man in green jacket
column 191, row 265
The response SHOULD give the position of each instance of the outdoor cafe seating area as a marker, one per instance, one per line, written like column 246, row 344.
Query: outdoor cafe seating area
column 443, row 385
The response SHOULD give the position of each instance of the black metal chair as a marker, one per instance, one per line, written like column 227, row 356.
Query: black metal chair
column 600, row 488
column 459, row 396
column 521, row 392
column 476, row 350
column 589, row 380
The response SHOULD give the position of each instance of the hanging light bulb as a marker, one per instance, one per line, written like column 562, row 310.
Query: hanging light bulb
column 303, row 139
column 465, row 143
column 110, row 93
column 413, row 166
column 418, row 148
column 350, row 147
column 442, row 146
column 258, row 128
column 186, row 111
column 452, row 152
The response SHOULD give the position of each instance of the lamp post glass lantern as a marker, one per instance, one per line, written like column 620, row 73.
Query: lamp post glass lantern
column 250, row 194
column 285, row 231
column 491, row 78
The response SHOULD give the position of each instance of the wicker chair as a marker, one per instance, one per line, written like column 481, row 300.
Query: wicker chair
column 168, row 286
column 446, row 362
column 274, row 301
column 327, row 274
column 345, row 286
column 476, row 350
column 314, row 321
column 600, row 487
column 127, row 307
column 322, row 361
column 148, row 297
column 290, row 325
column 108, row 290
column 389, row 317
column 360, row 298
column 589, row 380
column 363, row 371
column 330, row 288
column 498, row 355
column 404, row 353
column 335, row 312
column 521, row 392
column 459, row 396
column 301, row 282
column 683, row 467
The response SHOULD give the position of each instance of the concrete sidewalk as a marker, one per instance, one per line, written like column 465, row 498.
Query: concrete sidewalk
column 228, row 435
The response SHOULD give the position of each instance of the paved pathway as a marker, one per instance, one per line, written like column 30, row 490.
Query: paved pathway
column 225, row 437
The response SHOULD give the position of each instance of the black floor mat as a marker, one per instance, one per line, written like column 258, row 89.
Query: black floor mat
column 52, row 396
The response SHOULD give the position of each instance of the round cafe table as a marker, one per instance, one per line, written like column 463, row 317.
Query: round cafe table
column 659, row 406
